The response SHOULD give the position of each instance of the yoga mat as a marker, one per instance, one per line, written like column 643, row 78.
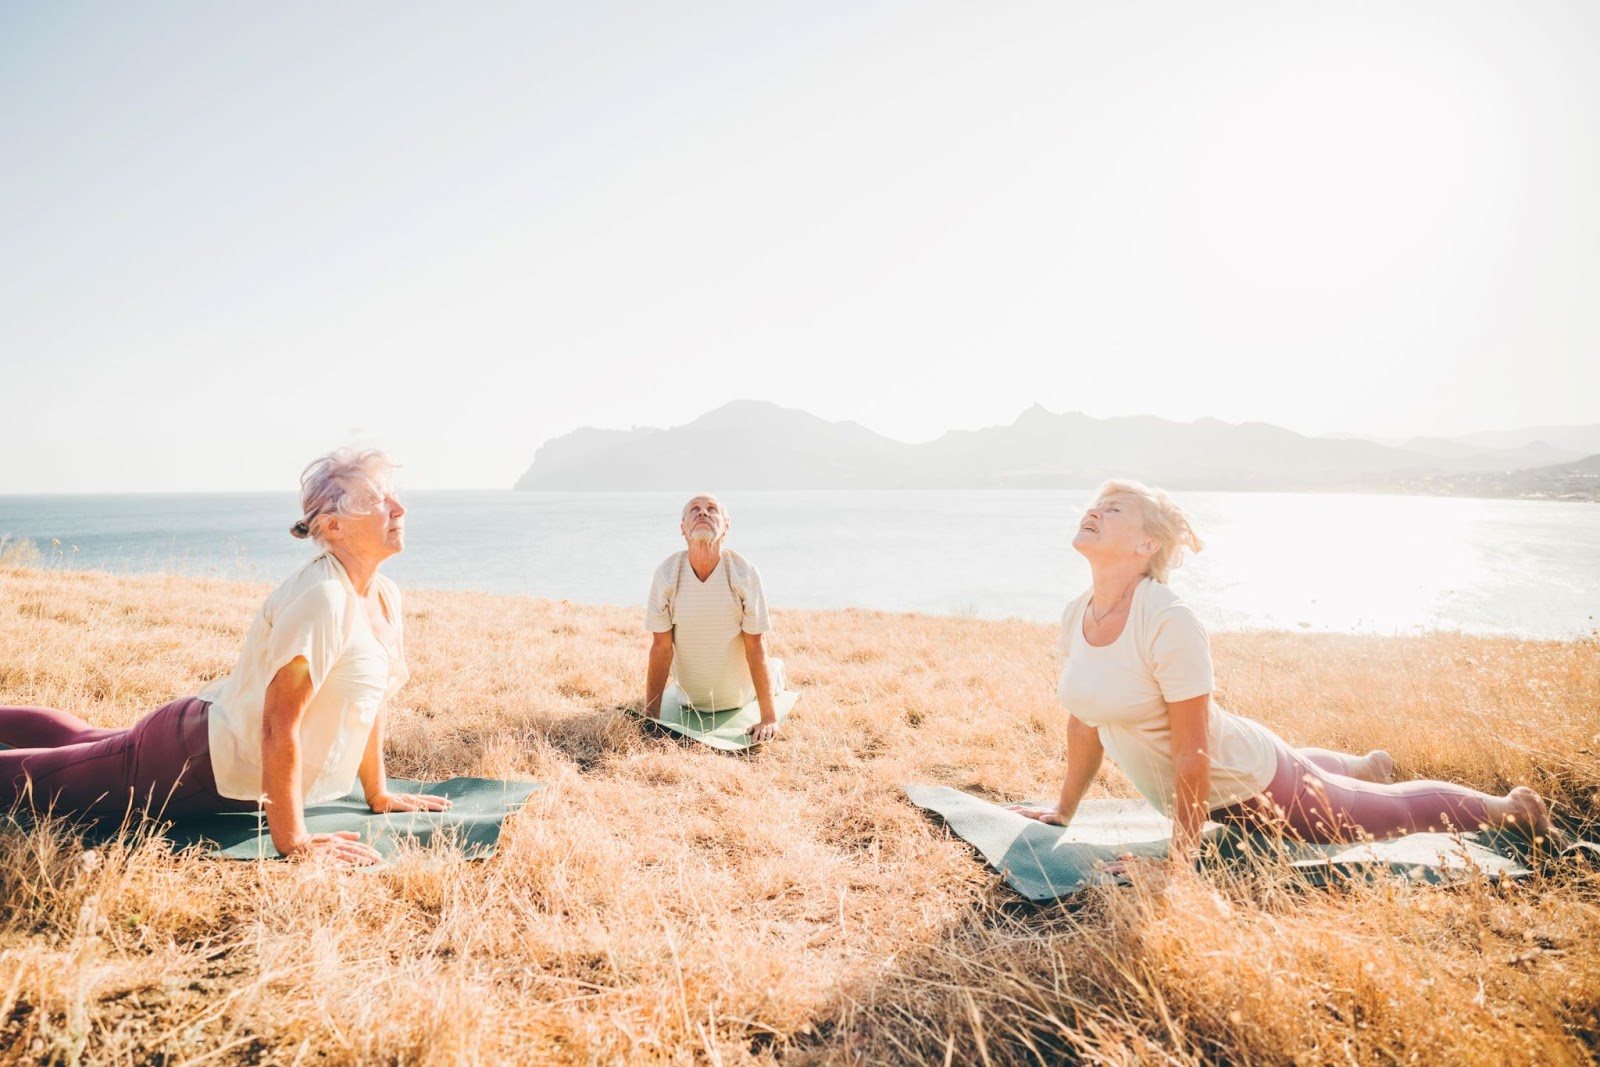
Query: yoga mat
column 723, row 730
column 478, row 811
column 1044, row 862
column 473, row 823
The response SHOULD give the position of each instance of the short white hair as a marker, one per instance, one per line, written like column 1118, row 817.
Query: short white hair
column 346, row 482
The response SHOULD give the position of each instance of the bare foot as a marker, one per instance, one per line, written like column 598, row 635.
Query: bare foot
column 1382, row 765
column 1529, row 815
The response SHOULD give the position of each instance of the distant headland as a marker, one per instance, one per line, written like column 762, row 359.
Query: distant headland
column 751, row 444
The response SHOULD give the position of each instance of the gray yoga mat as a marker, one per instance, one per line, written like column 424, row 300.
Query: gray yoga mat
column 1044, row 862
column 723, row 730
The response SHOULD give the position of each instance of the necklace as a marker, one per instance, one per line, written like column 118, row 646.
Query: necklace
column 1104, row 615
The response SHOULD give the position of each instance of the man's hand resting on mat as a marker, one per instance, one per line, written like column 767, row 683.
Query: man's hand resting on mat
column 384, row 803
column 765, row 730
column 1048, row 816
column 343, row 846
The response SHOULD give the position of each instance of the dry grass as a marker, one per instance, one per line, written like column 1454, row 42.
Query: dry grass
column 664, row 903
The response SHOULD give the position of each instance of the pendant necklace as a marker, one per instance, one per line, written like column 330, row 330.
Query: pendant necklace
column 1098, row 619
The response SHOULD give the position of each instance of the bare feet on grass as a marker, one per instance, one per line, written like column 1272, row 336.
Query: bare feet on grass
column 1526, row 813
column 1381, row 766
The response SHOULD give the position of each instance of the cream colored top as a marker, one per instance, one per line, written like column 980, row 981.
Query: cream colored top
column 317, row 614
column 706, row 619
column 1161, row 657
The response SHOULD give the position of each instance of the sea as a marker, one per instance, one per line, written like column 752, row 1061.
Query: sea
column 1300, row 561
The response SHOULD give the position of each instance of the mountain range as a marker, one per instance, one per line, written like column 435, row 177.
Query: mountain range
column 750, row 444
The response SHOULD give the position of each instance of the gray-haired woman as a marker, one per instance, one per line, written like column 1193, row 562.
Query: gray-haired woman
column 299, row 719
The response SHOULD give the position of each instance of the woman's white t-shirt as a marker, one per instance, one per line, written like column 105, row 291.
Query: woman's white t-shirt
column 1122, row 690
column 317, row 614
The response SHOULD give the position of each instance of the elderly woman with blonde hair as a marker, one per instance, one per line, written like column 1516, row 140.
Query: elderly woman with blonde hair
column 1137, row 682
column 298, row 720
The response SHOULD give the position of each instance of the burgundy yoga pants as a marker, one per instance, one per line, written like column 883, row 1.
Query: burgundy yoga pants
column 161, row 764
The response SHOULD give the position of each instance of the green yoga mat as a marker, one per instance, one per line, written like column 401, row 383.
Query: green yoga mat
column 723, row 730
column 1044, row 862
column 478, row 810
column 477, row 813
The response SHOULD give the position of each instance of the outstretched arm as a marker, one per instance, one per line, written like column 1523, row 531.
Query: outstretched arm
column 1084, row 755
column 755, row 654
column 375, row 781
column 1191, row 772
column 655, row 679
column 288, row 695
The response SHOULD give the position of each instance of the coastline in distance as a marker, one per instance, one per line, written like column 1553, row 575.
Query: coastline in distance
column 750, row 444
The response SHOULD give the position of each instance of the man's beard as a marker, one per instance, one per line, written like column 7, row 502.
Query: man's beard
column 703, row 535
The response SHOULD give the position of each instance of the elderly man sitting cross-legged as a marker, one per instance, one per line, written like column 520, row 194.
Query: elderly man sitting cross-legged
column 707, row 613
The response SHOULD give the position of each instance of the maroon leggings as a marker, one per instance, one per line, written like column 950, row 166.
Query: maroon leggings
column 1313, row 801
column 161, row 764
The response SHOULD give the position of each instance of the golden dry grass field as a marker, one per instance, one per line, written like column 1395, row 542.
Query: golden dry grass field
column 663, row 903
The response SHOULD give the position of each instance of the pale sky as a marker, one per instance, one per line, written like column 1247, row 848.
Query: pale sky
column 235, row 235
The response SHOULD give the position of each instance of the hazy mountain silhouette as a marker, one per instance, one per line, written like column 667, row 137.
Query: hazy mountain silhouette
column 1578, row 480
column 1577, row 441
column 1532, row 454
column 751, row 444
column 747, row 444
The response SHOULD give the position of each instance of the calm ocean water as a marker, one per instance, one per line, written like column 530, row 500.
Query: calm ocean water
column 1331, row 562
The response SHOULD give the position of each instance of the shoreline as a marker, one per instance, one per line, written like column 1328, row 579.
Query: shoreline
column 1577, row 636
column 1587, row 496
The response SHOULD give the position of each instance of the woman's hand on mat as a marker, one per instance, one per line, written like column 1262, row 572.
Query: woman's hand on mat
column 763, row 731
column 387, row 802
column 343, row 846
column 1048, row 816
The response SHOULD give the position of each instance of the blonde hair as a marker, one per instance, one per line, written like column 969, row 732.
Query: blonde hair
column 1163, row 520
column 346, row 482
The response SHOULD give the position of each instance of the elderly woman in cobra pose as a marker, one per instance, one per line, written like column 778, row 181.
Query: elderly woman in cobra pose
column 298, row 720
column 1137, row 681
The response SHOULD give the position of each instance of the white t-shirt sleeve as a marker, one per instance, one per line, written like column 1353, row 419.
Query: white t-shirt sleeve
column 752, row 600
column 658, row 605
column 311, row 625
column 1180, row 654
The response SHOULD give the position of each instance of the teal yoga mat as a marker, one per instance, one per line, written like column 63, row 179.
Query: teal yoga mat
column 478, row 811
column 723, row 730
column 473, row 823
column 1044, row 862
